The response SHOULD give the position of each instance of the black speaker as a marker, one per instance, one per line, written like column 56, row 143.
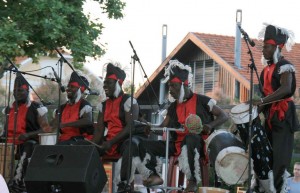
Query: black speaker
column 65, row 169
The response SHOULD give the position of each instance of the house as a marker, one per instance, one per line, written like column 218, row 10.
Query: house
column 215, row 68
column 37, row 73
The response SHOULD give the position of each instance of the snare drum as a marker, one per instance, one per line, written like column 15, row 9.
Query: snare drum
column 47, row 138
column 228, row 157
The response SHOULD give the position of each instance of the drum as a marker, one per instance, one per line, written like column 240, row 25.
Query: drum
column 227, row 155
column 240, row 113
column 261, row 147
column 240, row 116
column 6, row 159
column 47, row 138
column 212, row 190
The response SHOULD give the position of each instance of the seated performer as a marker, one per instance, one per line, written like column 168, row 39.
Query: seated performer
column 189, row 146
column 76, row 114
column 116, row 114
column 30, row 118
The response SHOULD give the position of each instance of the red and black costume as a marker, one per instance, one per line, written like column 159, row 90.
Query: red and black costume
column 26, row 114
column 73, row 112
column 188, row 146
column 281, row 119
column 280, row 116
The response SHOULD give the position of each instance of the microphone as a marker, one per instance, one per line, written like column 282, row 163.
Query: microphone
column 55, row 74
column 251, row 42
column 93, row 92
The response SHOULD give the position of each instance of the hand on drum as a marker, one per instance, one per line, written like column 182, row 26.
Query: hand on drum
column 206, row 129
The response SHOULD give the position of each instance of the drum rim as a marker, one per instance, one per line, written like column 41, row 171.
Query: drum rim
column 247, row 110
column 212, row 135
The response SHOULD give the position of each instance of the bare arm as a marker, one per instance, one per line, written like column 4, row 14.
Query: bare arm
column 285, row 88
column 84, row 121
column 44, row 125
column 99, row 130
column 221, row 117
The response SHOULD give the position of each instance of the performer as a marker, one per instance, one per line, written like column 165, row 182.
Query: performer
column 116, row 114
column 293, row 183
column 189, row 146
column 31, row 119
column 76, row 113
column 279, row 84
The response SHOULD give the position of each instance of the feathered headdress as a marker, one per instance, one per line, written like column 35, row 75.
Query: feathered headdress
column 177, row 71
column 277, row 36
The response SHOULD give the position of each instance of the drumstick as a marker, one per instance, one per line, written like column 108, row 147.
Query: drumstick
column 270, row 102
column 93, row 143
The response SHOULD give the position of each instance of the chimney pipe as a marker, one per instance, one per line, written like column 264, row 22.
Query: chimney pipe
column 237, row 52
column 164, row 42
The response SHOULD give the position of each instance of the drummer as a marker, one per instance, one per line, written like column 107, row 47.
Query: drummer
column 31, row 119
column 189, row 146
column 279, row 84
column 116, row 114
column 76, row 114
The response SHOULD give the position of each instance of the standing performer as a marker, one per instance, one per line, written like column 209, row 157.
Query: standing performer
column 279, row 84
column 31, row 119
column 76, row 114
column 116, row 114
column 189, row 146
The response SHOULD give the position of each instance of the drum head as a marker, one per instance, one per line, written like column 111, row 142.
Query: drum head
column 240, row 113
column 241, row 108
column 233, row 168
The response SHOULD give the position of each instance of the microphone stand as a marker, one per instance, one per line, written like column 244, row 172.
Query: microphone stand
column 44, row 77
column 252, row 69
column 60, row 63
column 134, row 58
column 145, row 74
column 6, row 134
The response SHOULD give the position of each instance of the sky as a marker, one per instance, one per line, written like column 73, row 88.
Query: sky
column 143, row 20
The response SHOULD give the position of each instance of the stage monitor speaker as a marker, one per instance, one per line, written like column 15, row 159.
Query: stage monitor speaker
column 65, row 169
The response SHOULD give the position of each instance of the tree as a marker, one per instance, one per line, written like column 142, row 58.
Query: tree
column 29, row 28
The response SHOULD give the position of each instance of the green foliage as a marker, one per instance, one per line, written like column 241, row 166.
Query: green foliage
column 35, row 27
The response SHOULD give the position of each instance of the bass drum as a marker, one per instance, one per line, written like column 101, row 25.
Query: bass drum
column 227, row 155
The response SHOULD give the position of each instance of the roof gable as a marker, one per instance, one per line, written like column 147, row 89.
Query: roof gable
column 221, row 49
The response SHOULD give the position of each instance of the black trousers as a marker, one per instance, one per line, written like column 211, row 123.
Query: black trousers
column 281, row 138
column 158, row 148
